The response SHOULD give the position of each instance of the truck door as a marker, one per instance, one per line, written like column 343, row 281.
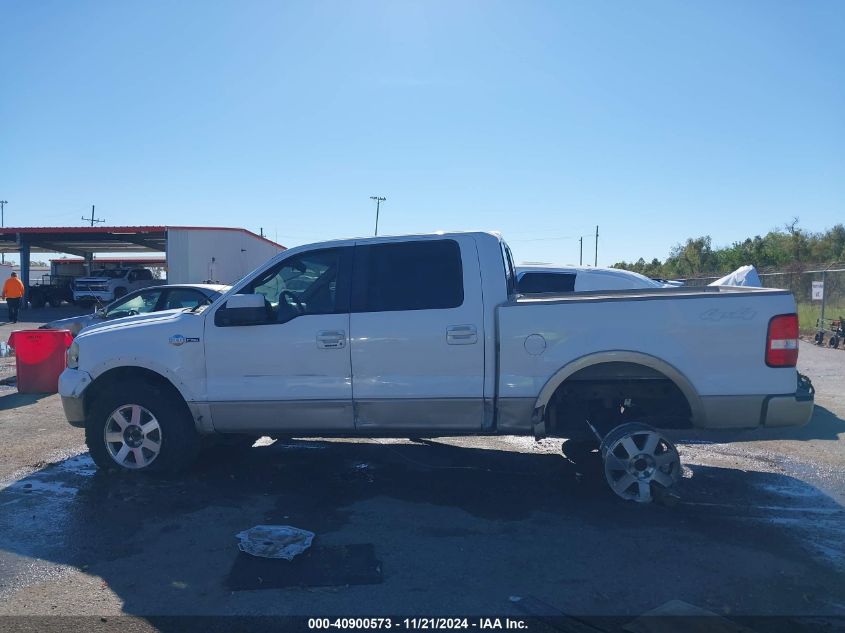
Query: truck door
column 417, row 335
column 291, row 372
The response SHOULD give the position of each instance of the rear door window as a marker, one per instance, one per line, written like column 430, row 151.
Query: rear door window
column 422, row 275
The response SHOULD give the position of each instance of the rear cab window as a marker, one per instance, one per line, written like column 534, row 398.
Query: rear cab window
column 510, row 272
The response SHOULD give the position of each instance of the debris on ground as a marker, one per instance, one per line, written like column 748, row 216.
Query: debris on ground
column 667, row 617
column 274, row 541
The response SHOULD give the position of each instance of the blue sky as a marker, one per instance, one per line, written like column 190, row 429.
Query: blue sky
column 655, row 120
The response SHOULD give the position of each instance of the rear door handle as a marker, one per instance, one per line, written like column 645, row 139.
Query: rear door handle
column 461, row 335
column 331, row 339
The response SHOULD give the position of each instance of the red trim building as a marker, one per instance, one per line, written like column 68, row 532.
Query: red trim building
column 192, row 253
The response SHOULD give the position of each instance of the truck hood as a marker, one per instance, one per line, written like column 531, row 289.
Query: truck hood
column 92, row 280
column 138, row 320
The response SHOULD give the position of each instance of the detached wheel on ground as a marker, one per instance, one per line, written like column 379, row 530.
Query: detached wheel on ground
column 141, row 428
column 637, row 457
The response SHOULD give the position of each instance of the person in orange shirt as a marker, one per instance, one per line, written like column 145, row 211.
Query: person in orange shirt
column 13, row 294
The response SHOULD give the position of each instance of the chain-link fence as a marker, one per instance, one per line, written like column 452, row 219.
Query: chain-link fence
column 800, row 282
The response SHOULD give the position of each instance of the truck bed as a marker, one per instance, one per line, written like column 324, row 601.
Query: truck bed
column 710, row 341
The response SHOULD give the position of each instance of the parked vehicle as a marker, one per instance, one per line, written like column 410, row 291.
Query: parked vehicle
column 426, row 336
column 52, row 291
column 541, row 279
column 154, row 299
column 109, row 284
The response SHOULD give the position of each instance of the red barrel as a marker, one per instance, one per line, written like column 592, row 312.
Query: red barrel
column 40, row 356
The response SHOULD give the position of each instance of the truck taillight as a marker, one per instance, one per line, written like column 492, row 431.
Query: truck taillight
column 782, row 341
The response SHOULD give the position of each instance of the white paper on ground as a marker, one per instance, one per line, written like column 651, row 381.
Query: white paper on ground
column 274, row 541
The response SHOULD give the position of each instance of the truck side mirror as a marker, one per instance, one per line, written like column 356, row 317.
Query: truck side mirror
column 243, row 310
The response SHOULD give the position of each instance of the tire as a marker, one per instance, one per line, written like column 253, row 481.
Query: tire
column 119, row 292
column 833, row 341
column 36, row 300
column 582, row 453
column 169, row 445
column 54, row 302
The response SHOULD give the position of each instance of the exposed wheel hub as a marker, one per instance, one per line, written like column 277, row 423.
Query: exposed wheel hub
column 642, row 466
column 134, row 436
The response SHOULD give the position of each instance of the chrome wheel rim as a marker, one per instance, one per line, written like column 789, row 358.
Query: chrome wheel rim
column 635, row 456
column 132, row 436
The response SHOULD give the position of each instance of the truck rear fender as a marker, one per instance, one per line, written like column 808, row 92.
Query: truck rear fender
column 539, row 417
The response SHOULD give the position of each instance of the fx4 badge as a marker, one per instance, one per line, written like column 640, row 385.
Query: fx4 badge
column 743, row 314
column 178, row 339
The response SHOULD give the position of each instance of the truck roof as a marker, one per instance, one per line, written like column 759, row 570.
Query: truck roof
column 386, row 238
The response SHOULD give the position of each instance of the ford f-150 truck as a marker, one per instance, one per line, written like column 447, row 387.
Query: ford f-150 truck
column 425, row 335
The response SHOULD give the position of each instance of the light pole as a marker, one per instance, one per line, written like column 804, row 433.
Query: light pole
column 379, row 200
column 3, row 204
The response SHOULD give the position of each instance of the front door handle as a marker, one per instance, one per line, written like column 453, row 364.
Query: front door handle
column 331, row 339
column 461, row 335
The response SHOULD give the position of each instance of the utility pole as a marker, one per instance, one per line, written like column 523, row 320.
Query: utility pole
column 92, row 219
column 379, row 200
column 261, row 231
column 596, row 262
column 581, row 251
column 3, row 204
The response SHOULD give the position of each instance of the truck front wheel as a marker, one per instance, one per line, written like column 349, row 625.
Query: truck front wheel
column 142, row 428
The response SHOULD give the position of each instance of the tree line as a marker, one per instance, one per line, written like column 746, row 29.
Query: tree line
column 788, row 249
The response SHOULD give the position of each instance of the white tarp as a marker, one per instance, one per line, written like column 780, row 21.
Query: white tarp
column 742, row 276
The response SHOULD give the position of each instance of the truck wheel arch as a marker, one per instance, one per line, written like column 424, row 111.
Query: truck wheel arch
column 126, row 375
column 628, row 357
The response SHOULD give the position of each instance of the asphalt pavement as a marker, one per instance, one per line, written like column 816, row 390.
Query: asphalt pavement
column 439, row 526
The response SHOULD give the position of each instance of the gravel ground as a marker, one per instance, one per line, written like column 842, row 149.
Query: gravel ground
column 459, row 526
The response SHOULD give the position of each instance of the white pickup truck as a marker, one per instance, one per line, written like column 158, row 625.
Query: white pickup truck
column 109, row 284
column 423, row 336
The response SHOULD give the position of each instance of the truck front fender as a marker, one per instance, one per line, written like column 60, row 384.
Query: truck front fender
column 144, row 363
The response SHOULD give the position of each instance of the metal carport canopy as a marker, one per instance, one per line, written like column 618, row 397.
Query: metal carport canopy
column 86, row 240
